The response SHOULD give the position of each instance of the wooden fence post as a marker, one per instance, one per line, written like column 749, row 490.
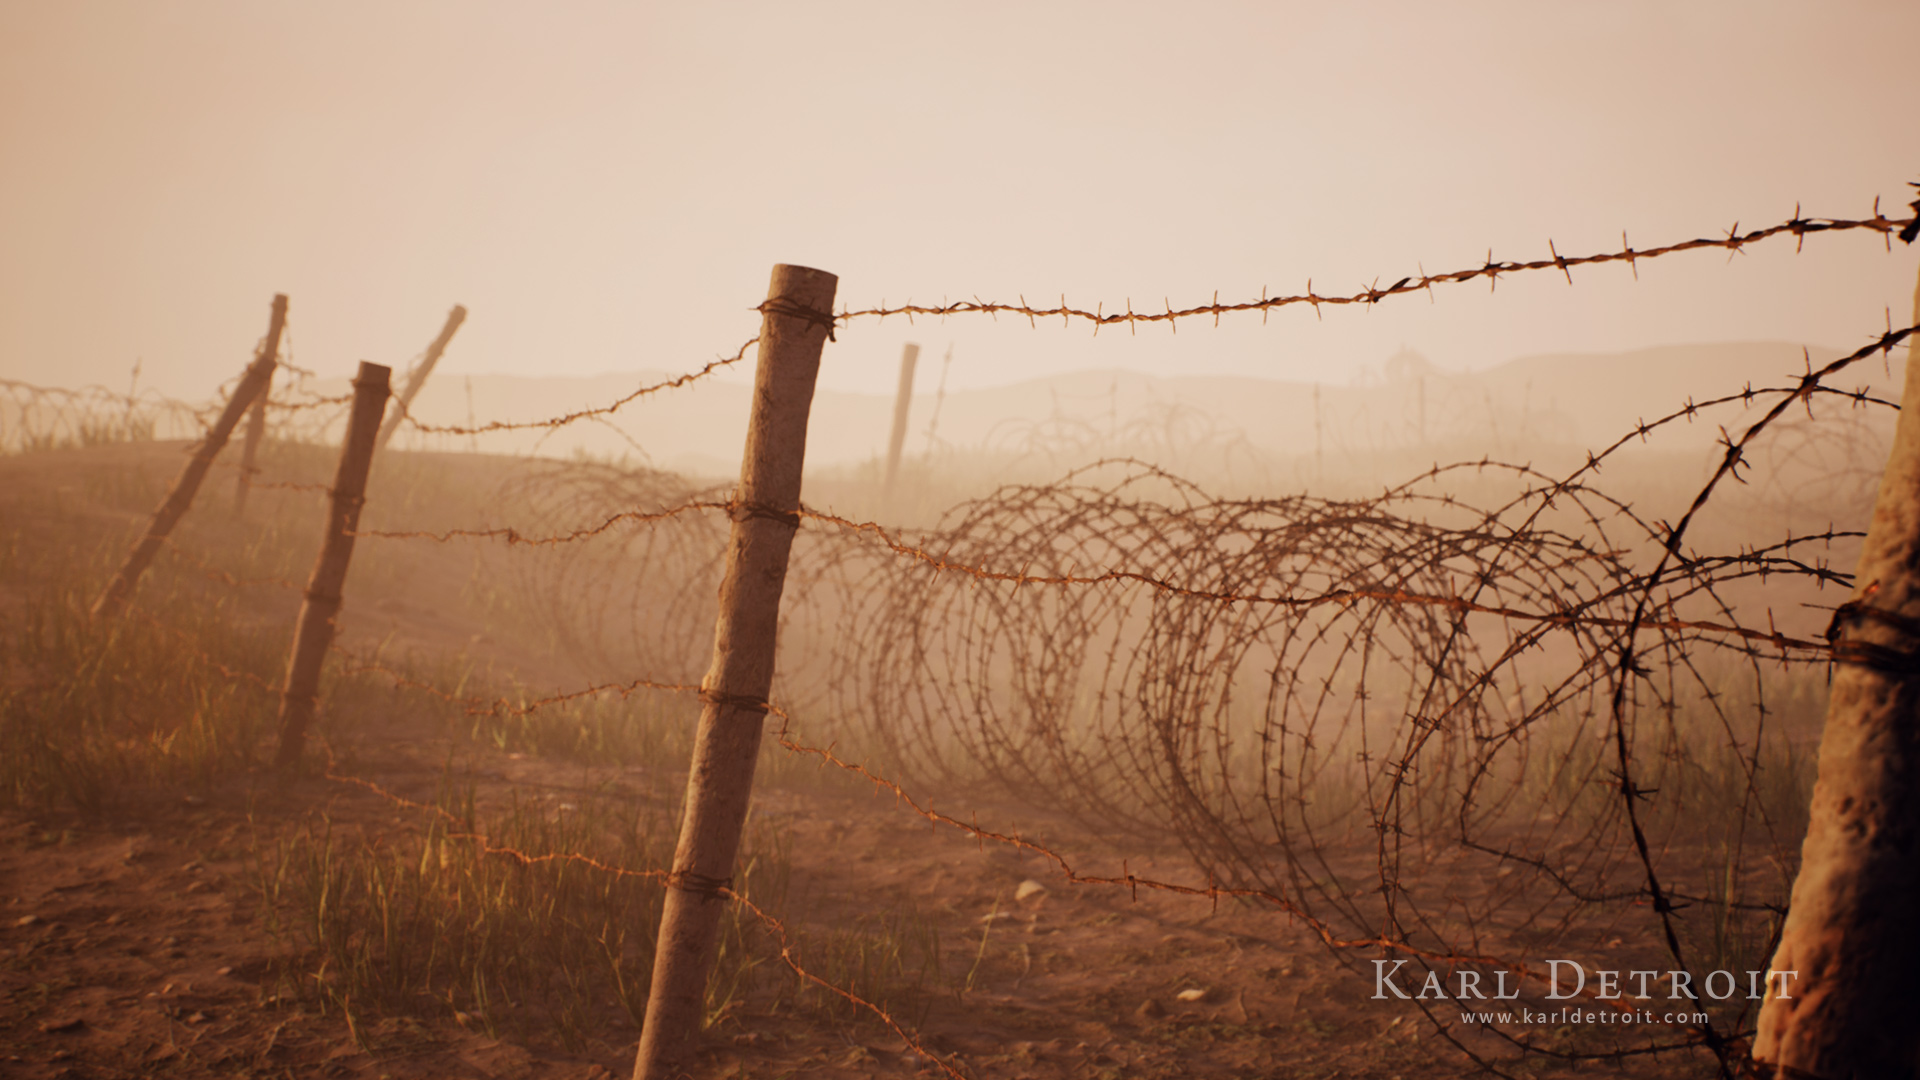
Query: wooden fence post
column 1851, row 942
column 113, row 599
column 314, row 632
column 902, row 402
column 417, row 378
column 796, row 323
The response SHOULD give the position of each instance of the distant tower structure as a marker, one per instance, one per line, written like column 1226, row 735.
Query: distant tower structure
column 902, row 402
column 1409, row 366
column 1319, row 442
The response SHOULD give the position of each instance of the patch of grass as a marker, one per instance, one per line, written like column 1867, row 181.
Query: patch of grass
column 92, row 714
column 648, row 727
column 538, row 920
column 890, row 958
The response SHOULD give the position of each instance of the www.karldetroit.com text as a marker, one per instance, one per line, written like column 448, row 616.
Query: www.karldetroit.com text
column 1583, row 1016
column 1608, row 984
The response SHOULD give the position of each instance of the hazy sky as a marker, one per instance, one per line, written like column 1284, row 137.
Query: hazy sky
column 605, row 185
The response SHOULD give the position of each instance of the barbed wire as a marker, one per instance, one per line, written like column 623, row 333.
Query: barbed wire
column 35, row 418
column 591, row 413
column 1808, row 388
column 1546, row 707
column 501, row 707
column 1627, row 667
column 1212, row 892
column 1797, row 226
column 1735, row 240
column 783, row 937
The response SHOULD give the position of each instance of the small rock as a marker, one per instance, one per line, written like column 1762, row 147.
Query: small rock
column 198, row 1018
column 224, row 971
column 194, row 800
column 1150, row 1010
column 1029, row 888
column 26, row 920
column 1192, row 995
column 61, row 1027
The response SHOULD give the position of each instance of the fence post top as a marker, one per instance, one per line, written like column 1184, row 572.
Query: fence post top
column 373, row 374
column 806, row 274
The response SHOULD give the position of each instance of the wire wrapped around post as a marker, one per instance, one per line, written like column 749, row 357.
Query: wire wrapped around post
column 796, row 327
column 314, row 633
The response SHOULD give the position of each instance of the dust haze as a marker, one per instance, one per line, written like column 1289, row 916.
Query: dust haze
column 1326, row 569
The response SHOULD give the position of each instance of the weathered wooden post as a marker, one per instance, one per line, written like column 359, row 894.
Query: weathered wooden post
column 253, row 384
column 797, row 321
column 902, row 402
column 314, row 632
column 417, row 378
column 1844, row 1004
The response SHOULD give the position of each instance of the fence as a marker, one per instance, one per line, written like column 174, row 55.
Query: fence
column 1455, row 731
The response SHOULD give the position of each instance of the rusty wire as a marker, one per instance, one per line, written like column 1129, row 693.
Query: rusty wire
column 594, row 413
column 966, row 650
column 1797, row 226
column 1735, row 240
column 783, row 938
column 36, row 418
column 1468, row 727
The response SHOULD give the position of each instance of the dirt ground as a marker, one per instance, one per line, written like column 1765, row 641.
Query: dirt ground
column 133, row 945
column 133, row 949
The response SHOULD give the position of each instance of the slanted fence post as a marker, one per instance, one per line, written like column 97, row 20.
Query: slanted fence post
column 1851, row 941
column 313, row 635
column 417, row 378
column 902, row 402
column 253, row 384
column 797, row 321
